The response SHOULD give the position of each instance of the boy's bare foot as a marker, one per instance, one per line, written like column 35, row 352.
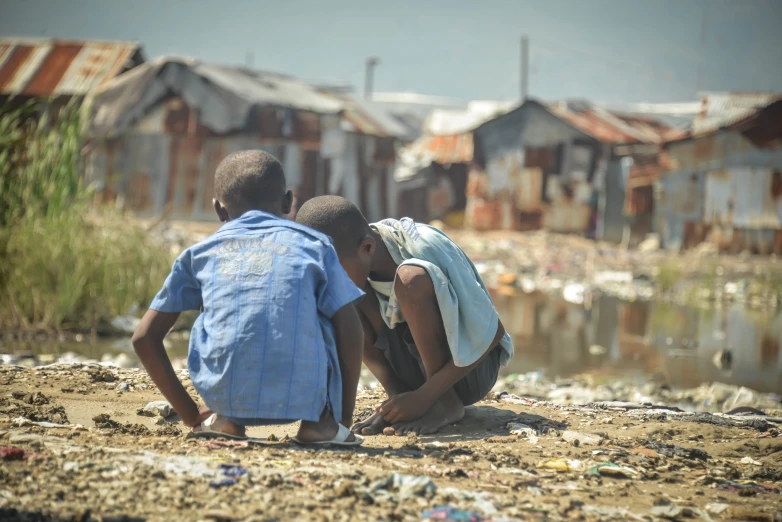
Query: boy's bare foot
column 322, row 431
column 372, row 426
column 447, row 410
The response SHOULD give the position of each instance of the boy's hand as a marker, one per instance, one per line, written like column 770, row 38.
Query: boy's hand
column 203, row 413
column 405, row 407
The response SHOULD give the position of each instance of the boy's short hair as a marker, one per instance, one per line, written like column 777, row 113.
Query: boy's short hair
column 249, row 179
column 338, row 218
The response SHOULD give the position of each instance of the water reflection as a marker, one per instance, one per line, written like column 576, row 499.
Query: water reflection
column 605, row 337
column 679, row 346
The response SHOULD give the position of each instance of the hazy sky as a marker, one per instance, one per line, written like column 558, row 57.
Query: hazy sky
column 603, row 50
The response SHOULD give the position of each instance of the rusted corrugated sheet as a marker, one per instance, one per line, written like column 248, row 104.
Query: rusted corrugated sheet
column 45, row 68
column 639, row 200
column 444, row 150
column 611, row 127
column 724, row 109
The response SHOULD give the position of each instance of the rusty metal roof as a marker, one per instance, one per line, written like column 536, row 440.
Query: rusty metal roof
column 454, row 148
column 611, row 127
column 428, row 149
column 365, row 117
column 724, row 109
column 42, row 68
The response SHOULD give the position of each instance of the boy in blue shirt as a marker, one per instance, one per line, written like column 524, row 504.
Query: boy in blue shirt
column 278, row 339
column 432, row 336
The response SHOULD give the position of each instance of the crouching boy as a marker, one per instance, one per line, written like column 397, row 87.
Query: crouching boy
column 278, row 339
column 432, row 336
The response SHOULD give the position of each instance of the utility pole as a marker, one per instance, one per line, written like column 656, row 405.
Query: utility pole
column 372, row 62
column 699, row 73
column 524, row 68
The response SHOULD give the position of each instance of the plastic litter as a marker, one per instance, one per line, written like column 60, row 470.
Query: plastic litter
column 21, row 421
column 670, row 450
column 672, row 512
column 750, row 460
column 231, row 473
column 611, row 513
column 406, row 485
column 576, row 437
column 515, row 428
column 739, row 487
column 563, row 465
column 11, row 453
column 716, row 508
column 452, row 514
column 612, row 469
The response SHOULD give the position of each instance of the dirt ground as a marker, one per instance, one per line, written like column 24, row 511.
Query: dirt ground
column 133, row 467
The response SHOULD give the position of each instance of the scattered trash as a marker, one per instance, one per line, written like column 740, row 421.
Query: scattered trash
column 157, row 408
column 406, row 485
column 611, row 469
column 746, row 397
column 726, row 421
column 611, row 513
column 716, row 508
column 646, row 452
column 219, row 443
column 740, row 487
column 231, row 473
column 561, row 465
column 21, row 421
column 672, row 512
column 515, row 428
column 575, row 437
column 750, row 460
column 10, row 453
column 670, row 450
column 452, row 514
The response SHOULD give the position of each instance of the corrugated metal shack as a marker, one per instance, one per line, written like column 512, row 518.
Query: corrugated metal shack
column 554, row 167
column 60, row 69
column 359, row 149
column 432, row 171
column 160, row 131
column 724, row 185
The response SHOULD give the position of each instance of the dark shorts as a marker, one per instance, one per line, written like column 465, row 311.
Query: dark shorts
column 400, row 351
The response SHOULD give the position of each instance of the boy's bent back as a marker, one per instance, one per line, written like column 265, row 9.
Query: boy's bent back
column 268, row 288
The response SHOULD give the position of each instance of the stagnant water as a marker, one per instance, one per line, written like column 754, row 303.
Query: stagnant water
column 608, row 338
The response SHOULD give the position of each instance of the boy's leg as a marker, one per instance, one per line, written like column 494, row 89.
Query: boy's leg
column 417, row 299
column 377, row 360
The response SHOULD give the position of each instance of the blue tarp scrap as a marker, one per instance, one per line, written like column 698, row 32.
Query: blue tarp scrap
column 232, row 475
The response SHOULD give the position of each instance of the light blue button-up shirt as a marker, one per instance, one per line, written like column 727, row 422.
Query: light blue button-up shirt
column 264, row 346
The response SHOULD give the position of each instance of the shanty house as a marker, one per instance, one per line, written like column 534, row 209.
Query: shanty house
column 60, row 70
column 724, row 183
column 553, row 167
column 359, row 152
column 432, row 171
column 159, row 132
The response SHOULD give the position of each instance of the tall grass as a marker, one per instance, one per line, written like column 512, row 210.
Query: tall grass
column 65, row 265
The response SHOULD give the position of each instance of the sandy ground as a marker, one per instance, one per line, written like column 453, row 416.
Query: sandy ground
column 131, row 467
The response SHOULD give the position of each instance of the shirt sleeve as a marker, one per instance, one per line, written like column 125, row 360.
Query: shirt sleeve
column 337, row 290
column 181, row 291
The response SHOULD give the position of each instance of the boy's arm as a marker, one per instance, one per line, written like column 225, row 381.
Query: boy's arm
column 148, row 343
column 349, row 337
